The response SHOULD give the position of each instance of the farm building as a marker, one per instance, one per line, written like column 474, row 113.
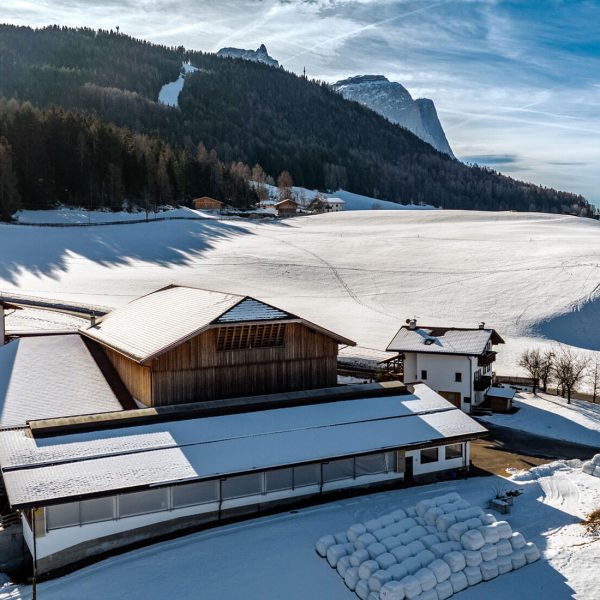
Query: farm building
column 455, row 362
column 286, row 208
column 207, row 203
column 326, row 205
column 183, row 344
column 92, row 484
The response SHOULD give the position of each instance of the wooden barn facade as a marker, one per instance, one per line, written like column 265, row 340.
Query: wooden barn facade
column 182, row 345
column 207, row 203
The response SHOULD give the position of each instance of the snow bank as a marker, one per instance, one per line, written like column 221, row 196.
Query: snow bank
column 408, row 563
column 592, row 467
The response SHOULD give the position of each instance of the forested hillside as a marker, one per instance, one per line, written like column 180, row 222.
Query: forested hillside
column 246, row 112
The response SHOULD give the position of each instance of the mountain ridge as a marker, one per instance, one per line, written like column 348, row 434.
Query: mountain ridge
column 259, row 55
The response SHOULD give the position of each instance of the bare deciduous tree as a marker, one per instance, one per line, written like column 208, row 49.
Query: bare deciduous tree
column 569, row 370
column 547, row 369
column 285, row 184
column 595, row 378
column 531, row 361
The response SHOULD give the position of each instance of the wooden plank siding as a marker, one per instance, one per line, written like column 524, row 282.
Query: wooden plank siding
column 137, row 378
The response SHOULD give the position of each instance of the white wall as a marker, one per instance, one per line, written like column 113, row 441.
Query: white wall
column 2, row 325
column 441, row 465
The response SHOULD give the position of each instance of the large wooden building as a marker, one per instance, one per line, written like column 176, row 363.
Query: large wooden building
column 207, row 203
column 183, row 344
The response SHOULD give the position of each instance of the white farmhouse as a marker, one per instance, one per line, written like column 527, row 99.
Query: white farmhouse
column 455, row 362
column 334, row 204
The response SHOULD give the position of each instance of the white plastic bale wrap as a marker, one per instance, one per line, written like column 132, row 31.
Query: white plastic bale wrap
column 412, row 587
column 443, row 536
column 417, row 532
column 455, row 531
column 469, row 513
column 411, row 564
column 504, row 529
column 445, row 521
column 343, row 564
column 531, row 552
column 396, row 528
column 393, row 590
column 381, row 534
column 448, row 507
column 456, row 561
column 387, row 520
column 504, row 565
column 423, row 506
column 407, row 523
column 398, row 571
column 429, row 595
column 373, row 525
column 364, row 540
column 373, row 596
column 440, row 569
column 518, row 559
column 378, row 580
column 401, row 552
column 411, row 511
column 489, row 569
column 425, row 557
column 432, row 515
column 596, row 460
column 430, row 539
column 504, row 548
column 458, row 581
column 367, row 569
column 420, row 521
column 472, row 540
column 398, row 514
column 431, row 528
column 340, row 538
column 362, row 589
column 442, row 548
column 358, row 557
column 444, row 590
column 473, row 575
column 588, row 467
column 517, row 540
column 323, row 544
column 473, row 558
column 473, row 523
column 335, row 552
column 387, row 559
column 415, row 547
column 426, row 579
column 489, row 552
column 488, row 519
column 449, row 497
column 461, row 504
column 596, row 471
column 354, row 531
column 405, row 538
column 376, row 549
column 351, row 577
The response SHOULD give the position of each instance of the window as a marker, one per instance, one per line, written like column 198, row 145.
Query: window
column 97, row 509
column 198, row 492
column 454, row 451
column 458, row 377
column 243, row 337
column 429, row 455
column 242, row 485
column 140, row 503
column 467, row 399
column 279, row 479
column 370, row 464
column 423, row 375
column 307, row 475
column 334, row 470
column 62, row 515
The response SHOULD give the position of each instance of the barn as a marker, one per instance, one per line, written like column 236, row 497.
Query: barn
column 207, row 203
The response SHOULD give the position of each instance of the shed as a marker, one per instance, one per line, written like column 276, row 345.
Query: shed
column 287, row 208
column 207, row 203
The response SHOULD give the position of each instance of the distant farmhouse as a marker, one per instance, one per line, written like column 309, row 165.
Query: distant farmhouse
column 189, row 406
column 287, row 208
column 208, row 203
column 326, row 205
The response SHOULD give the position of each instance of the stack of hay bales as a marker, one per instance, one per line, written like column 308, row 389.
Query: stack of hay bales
column 592, row 467
column 429, row 551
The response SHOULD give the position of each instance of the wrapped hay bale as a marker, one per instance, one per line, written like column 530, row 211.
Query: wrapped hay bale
column 432, row 514
column 448, row 507
column 440, row 569
column 442, row 548
column 354, row 531
column 430, row 539
column 398, row 571
column 381, row 534
column 504, row 529
column 426, row 579
column 596, row 460
column 351, row 577
column 472, row 540
column 386, row 560
column 455, row 531
column 491, row 534
column 398, row 514
column 387, row 520
column 373, row 596
column 444, row 590
column 417, row 532
column 372, row 525
column 445, row 521
column 396, row 528
column 401, row 552
column 456, row 561
column 489, row 569
column 323, row 544
column 461, row 504
column 364, row 540
column 531, row 552
column 423, row 506
column 335, row 552
column 473, row 512
column 518, row 560
column 458, row 581
column 358, row 557
column 473, row 523
column 362, row 589
column 378, row 580
column 597, row 471
column 393, row 590
column 411, row 564
column 473, row 558
column 420, row 521
column 367, row 569
column 504, row 565
column 488, row 519
column 443, row 536
column 429, row 595
column 450, row 497
column 340, row 538
column 415, row 547
column 425, row 557
column 588, row 467
column 412, row 587
column 517, row 540
column 343, row 565
column 473, row 575
column 411, row 511
column 504, row 548
column 376, row 549
column 431, row 528
column 407, row 523
column 489, row 552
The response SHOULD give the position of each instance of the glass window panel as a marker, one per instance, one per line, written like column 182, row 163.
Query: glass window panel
column 242, row 485
column 279, row 479
column 429, row 455
column 391, row 461
column 335, row 470
column 140, row 503
column 454, row 451
column 97, row 509
column 198, row 492
column 370, row 464
column 62, row 515
column 307, row 475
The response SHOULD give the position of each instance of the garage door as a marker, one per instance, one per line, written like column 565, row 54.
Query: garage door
column 453, row 397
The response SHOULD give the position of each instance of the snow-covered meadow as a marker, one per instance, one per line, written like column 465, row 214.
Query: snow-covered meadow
column 534, row 277
column 274, row 557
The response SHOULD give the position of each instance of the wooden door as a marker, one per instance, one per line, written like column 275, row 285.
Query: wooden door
column 453, row 397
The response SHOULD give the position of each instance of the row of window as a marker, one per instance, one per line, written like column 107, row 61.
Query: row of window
column 431, row 455
column 204, row 492
column 457, row 376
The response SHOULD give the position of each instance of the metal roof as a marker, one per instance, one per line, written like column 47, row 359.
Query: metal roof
column 39, row 471
column 443, row 340
column 153, row 324
column 49, row 376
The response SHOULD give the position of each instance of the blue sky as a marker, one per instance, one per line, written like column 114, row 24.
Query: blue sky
column 516, row 84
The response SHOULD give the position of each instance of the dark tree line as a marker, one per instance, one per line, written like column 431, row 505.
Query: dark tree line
column 252, row 113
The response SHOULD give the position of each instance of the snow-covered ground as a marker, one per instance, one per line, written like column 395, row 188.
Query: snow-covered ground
column 169, row 93
column 274, row 557
column 533, row 277
column 552, row 417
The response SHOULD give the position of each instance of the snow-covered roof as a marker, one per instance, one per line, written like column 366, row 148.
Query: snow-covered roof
column 156, row 323
column 443, row 340
column 334, row 201
column 49, row 376
column 53, row 469
column 501, row 392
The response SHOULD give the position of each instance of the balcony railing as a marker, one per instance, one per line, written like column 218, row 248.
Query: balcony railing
column 482, row 383
column 486, row 359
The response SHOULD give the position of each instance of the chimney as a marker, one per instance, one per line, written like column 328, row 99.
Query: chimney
column 482, row 325
column 92, row 320
column 412, row 323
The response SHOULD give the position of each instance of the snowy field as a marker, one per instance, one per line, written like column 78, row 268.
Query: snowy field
column 551, row 416
column 274, row 557
column 169, row 93
column 361, row 273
